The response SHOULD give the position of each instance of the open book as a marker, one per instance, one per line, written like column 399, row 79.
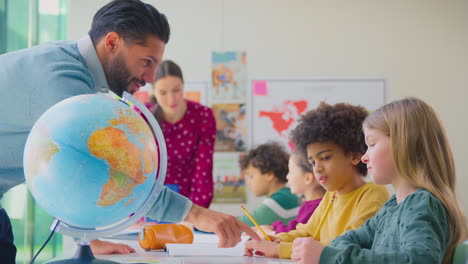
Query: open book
column 203, row 249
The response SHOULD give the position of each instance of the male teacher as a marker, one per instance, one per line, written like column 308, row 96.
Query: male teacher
column 124, row 46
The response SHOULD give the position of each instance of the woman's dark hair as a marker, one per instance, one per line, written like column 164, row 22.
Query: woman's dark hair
column 133, row 20
column 340, row 124
column 166, row 68
column 268, row 158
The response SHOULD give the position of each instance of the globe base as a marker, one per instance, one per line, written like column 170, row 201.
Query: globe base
column 83, row 255
column 77, row 261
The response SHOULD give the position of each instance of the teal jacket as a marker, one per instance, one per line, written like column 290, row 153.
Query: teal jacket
column 31, row 81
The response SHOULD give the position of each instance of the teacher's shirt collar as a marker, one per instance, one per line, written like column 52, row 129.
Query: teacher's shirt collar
column 88, row 51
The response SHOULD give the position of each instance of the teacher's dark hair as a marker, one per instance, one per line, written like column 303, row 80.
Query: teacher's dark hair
column 133, row 20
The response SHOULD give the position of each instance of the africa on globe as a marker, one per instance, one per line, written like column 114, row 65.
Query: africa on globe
column 90, row 161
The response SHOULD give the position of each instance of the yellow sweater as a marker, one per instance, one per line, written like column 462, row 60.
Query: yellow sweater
column 348, row 211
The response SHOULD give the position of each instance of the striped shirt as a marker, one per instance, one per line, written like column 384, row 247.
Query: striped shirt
column 282, row 205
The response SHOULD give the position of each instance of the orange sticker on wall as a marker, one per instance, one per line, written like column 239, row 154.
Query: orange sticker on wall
column 193, row 96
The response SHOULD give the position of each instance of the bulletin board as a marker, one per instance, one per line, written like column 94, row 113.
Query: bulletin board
column 276, row 104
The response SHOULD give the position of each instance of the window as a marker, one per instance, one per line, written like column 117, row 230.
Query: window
column 25, row 23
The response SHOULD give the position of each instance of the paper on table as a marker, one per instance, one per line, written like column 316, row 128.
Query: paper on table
column 143, row 260
column 203, row 249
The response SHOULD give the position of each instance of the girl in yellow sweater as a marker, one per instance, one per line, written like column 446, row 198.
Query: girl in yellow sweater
column 331, row 138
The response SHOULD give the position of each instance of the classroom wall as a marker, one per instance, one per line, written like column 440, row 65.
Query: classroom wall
column 420, row 46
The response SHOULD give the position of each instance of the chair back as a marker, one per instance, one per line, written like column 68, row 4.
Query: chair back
column 460, row 256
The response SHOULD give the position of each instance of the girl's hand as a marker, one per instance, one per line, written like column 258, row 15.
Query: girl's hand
column 269, row 230
column 262, row 248
column 306, row 250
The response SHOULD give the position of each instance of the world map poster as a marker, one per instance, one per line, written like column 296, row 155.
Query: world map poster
column 278, row 104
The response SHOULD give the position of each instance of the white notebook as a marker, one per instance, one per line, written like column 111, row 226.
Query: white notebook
column 203, row 249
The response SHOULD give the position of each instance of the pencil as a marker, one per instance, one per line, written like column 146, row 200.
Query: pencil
column 255, row 223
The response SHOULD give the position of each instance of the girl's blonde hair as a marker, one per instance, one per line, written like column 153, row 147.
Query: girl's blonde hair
column 422, row 155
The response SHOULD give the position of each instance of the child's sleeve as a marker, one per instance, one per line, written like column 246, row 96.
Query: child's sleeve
column 279, row 227
column 370, row 204
column 302, row 230
column 363, row 236
column 422, row 239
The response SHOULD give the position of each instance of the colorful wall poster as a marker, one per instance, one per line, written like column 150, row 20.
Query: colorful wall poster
column 229, row 181
column 229, row 76
column 277, row 104
column 231, row 127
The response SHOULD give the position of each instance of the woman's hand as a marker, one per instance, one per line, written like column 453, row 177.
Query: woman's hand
column 226, row 227
column 306, row 250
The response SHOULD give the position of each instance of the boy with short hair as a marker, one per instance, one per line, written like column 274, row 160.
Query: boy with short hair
column 265, row 169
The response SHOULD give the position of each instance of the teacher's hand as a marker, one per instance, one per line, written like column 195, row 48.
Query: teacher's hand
column 227, row 227
column 100, row 247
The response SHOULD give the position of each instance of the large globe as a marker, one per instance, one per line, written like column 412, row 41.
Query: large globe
column 90, row 161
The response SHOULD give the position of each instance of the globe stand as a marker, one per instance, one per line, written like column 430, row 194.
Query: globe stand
column 83, row 255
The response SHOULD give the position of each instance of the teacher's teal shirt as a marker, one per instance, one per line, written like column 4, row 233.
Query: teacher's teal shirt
column 31, row 81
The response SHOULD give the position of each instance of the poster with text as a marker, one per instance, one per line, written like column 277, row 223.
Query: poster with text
column 229, row 76
column 229, row 182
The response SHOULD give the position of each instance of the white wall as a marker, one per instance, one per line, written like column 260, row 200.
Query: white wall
column 420, row 46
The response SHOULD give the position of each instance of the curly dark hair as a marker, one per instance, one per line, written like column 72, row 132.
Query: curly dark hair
column 340, row 124
column 270, row 157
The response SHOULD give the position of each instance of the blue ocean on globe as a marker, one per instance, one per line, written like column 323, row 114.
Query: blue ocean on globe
column 91, row 161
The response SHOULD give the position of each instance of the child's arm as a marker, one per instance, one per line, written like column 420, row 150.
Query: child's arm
column 309, row 250
column 279, row 227
column 302, row 230
column 421, row 237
